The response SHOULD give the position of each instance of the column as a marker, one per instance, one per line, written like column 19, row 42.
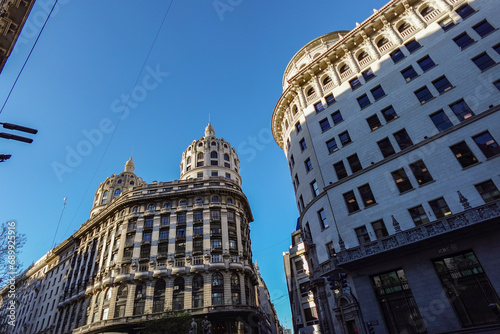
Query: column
column 369, row 43
column 316, row 83
column 350, row 59
column 333, row 72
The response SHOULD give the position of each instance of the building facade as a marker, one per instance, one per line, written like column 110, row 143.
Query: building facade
column 391, row 134
column 152, row 248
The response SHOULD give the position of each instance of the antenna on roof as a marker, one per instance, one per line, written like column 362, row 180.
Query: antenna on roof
column 65, row 199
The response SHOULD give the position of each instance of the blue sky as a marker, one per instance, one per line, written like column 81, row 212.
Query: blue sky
column 227, row 63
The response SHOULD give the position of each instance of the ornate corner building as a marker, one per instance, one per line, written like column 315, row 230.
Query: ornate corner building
column 152, row 248
column 391, row 134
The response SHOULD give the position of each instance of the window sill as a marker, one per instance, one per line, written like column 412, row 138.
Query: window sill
column 408, row 81
column 412, row 52
column 493, row 157
column 354, row 88
column 470, row 166
column 399, row 60
column 344, row 145
column 430, row 182
column 486, row 69
column 430, row 68
column 326, row 130
column 427, row 101
column 370, row 206
column 366, row 106
column 333, row 151
column 380, row 98
column 406, row 191
column 370, row 78
column 325, row 228
column 465, row 48
column 354, row 212
column 378, row 127
column 491, row 32
column 446, row 91
column 338, row 123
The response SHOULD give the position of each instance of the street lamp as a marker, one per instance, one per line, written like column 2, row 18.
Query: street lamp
column 16, row 127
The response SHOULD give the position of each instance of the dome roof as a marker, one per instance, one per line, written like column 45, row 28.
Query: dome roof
column 209, row 130
column 130, row 166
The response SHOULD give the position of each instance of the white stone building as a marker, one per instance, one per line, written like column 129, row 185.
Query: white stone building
column 391, row 133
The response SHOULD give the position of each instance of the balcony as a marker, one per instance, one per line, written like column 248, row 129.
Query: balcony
column 408, row 32
column 462, row 220
column 432, row 15
column 328, row 86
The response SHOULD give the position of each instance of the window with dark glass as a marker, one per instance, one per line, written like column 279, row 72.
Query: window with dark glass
column 366, row 195
column 386, row 147
column 355, row 83
column 298, row 127
column 389, row 114
column 350, row 201
column 302, row 144
column 297, row 180
column 314, row 188
column 319, row 107
column 487, row 144
column 368, row 75
column 483, row 61
column 308, row 164
column 340, row 170
column 402, row 181
column 337, row 117
column 373, row 122
column 446, row 24
column 497, row 84
column 403, row 139
column 488, row 191
column 461, row 110
column 330, row 99
column 397, row 55
column 181, row 218
column 379, row 229
column 345, row 138
column 440, row 207
column 442, row 84
column 322, row 219
column 423, row 95
column 362, row 234
column 164, row 235
column 146, row 237
column 426, row 63
column 421, row 172
column 463, row 154
column 354, row 163
column 332, row 145
column 463, row 40
column 497, row 48
column 363, row 101
column 377, row 92
column 180, row 232
column 465, row 11
column 324, row 124
column 412, row 46
column 418, row 215
column 409, row 73
column 440, row 120
column 483, row 28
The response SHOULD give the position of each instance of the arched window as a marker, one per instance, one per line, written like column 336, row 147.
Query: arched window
column 404, row 27
column 105, row 306
column 217, row 289
column 226, row 157
column 189, row 148
column 326, row 81
column 362, row 56
column 286, row 124
column 200, row 156
column 159, row 296
column 344, row 68
column 151, row 207
column 183, row 202
column 132, row 183
column 140, row 299
column 199, row 200
column 167, row 205
column 117, row 192
column 235, row 289
column 426, row 11
column 198, row 291
column 188, row 160
column 97, row 302
column 295, row 110
column 119, row 181
column 121, row 301
column 248, row 289
column 383, row 41
column 178, row 294
column 229, row 200
column 213, row 155
column 310, row 91
column 215, row 199
column 135, row 209
column 200, row 144
column 213, row 143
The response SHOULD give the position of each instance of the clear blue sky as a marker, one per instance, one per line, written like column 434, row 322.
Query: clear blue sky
column 227, row 64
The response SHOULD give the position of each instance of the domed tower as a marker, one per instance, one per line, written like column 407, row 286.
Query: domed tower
column 209, row 157
column 114, row 186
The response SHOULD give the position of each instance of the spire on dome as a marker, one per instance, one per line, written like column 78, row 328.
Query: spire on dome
column 209, row 130
column 129, row 166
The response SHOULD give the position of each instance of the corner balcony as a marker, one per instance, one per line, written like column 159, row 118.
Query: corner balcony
column 470, row 217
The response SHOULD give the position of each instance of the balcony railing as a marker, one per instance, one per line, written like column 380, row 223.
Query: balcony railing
column 385, row 47
column 470, row 216
column 432, row 15
column 408, row 32
column 328, row 86
column 197, row 260
column 179, row 262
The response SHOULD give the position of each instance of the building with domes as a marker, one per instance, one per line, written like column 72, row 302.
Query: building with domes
column 148, row 249
column 391, row 135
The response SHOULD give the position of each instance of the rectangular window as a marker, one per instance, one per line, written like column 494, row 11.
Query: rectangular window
column 426, row 63
column 228, row 176
column 354, row 163
column 423, row 95
column 418, row 215
column 330, row 99
column 322, row 219
column 164, row 235
column 345, row 138
column 319, row 107
column 497, row 48
column 403, row 139
column 350, row 201
column 355, row 83
column 442, row 84
column 413, row 46
column 181, row 218
column 366, row 195
column 379, row 229
column 337, row 117
column 324, row 124
column 440, row 120
column 302, row 144
column 362, row 234
column 377, row 92
column 463, row 40
column 363, row 101
column 487, row 144
column 373, row 122
column 314, row 188
column 402, row 181
column 440, row 208
column 368, row 75
column 483, row 61
column 389, row 114
column 409, row 73
column 461, row 110
column 468, row 289
column 301, row 201
column 298, row 127
column 463, row 154
column 397, row 55
column 146, row 236
column 340, row 170
column 386, row 147
column 465, row 11
column 297, row 180
column 308, row 165
column 292, row 161
column 421, row 172
column 332, row 145
column 488, row 191
column 446, row 24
